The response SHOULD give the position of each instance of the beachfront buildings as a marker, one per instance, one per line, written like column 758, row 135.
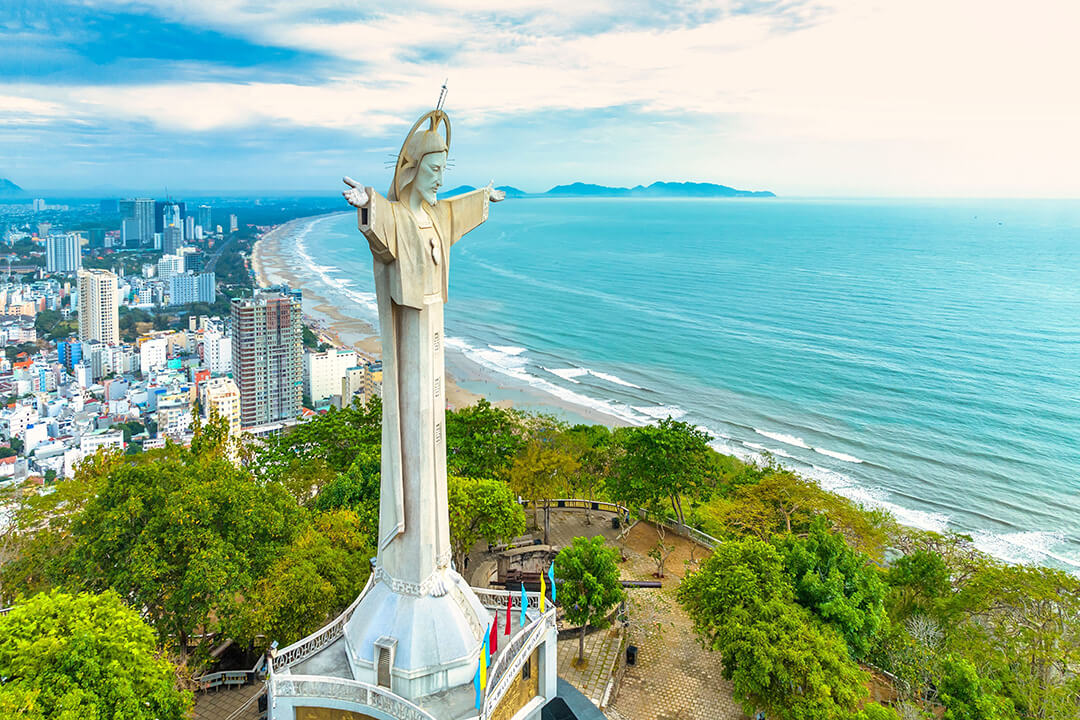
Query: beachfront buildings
column 267, row 359
column 323, row 372
column 99, row 311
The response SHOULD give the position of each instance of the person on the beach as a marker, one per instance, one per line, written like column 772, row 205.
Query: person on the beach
column 410, row 233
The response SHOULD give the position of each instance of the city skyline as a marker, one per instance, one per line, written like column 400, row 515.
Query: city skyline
column 802, row 97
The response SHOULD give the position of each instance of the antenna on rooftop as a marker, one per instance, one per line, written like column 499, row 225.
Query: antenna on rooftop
column 442, row 95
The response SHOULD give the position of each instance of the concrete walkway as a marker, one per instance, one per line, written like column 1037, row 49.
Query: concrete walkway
column 222, row 704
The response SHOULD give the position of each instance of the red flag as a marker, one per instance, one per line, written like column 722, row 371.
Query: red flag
column 495, row 634
column 509, row 600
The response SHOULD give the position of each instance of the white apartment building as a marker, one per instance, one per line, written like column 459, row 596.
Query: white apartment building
column 221, row 396
column 217, row 352
column 63, row 253
column 323, row 372
column 99, row 309
column 168, row 266
column 89, row 443
column 153, row 354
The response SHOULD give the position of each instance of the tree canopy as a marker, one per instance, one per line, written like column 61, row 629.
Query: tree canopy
column 85, row 656
column 588, row 586
column 481, row 510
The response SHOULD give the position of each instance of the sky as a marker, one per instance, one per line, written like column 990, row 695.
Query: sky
column 942, row 98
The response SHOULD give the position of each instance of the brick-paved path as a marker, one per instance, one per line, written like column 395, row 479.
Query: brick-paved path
column 221, row 704
column 601, row 654
column 675, row 678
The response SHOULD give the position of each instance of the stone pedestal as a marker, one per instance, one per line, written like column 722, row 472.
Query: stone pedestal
column 426, row 637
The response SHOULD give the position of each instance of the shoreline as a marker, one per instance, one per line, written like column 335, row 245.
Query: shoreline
column 478, row 380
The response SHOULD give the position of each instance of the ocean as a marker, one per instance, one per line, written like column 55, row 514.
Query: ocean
column 917, row 356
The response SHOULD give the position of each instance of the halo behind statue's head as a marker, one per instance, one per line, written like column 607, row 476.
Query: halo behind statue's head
column 418, row 143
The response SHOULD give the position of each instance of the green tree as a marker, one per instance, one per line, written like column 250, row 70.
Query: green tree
column 662, row 462
column 335, row 439
column 587, row 579
column 540, row 472
column 837, row 584
column 777, row 655
column 597, row 452
column 482, row 440
column 69, row 657
column 481, row 510
column 968, row 697
column 317, row 576
column 919, row 583
column 193, row 530
column 356, row 489
column 781, row 502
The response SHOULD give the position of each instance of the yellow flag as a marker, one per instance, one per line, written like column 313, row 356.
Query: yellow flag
column 483, row 667
column 543, row 591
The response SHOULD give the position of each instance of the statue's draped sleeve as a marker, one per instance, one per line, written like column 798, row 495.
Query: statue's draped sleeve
column 376, row 221
column 466, row 212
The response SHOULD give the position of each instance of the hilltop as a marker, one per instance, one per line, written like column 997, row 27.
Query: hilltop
column 9, row 189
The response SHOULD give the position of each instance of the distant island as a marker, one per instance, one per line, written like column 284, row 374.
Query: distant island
column 9, row 189
column 656, row 190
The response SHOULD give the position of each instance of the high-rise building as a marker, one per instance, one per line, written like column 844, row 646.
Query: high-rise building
column 266, row 357
column 220, row 396
column 168, row 266
column 159, row 213
column 172, row 240
column 39, row 204
column 140, row 232
column 183, row 289
column 63, row 253
column 233, row 225
column 204, row 218
column 99, row 307
column 170, row 217
column 189, row 227
column 323, row 372
column 207, row 287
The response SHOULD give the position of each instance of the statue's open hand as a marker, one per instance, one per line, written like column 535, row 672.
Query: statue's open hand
column 493, row 194
column 355, row 195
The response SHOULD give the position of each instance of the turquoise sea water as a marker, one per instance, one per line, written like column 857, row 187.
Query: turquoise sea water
column 918, row 356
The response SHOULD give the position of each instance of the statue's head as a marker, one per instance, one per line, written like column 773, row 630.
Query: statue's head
column 422, row 160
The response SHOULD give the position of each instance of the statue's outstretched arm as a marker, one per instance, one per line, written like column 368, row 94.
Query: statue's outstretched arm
column 375, row 218
column 469, row 210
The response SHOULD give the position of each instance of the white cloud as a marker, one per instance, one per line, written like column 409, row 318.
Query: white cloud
column 957, row 94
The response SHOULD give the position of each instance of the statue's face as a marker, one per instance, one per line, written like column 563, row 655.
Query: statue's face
column 429, row 176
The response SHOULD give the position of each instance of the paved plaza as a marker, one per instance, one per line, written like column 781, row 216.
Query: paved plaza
column 226, row 704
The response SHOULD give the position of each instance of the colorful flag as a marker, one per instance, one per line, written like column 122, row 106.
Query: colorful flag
column 509, row 611
column 476, row 686
column 524, row 604
column 543, row 592
column 495, row 633
column 551, row 575
column 484, row 660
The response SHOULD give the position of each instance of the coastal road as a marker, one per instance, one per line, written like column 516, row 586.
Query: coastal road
column 211, row 262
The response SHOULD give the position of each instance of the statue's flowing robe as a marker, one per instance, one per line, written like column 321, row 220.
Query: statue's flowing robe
column 412, row 262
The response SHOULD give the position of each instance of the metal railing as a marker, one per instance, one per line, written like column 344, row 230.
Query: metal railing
column 494, row 599
column 351, row 691
column 5, row 611
column 599, row 505
column 510, row 661
column 322, row 637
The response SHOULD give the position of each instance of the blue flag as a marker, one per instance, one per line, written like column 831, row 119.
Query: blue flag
column 524, row 604
column 487, row 647
column 551, row 576
column 476, row 686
